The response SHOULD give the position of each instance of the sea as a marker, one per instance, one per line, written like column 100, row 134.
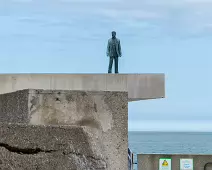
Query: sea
column 170, row 142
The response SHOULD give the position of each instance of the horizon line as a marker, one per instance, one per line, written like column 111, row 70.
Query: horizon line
column 164, row 131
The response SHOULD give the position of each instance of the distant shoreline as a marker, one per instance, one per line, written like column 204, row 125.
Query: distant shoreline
column 169, row 132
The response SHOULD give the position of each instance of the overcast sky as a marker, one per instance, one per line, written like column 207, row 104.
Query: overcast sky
column 70, row 36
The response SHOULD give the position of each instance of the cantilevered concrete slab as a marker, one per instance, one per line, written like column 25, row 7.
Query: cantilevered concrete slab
column 138, row 86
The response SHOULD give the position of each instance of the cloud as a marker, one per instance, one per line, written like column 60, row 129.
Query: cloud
column 179, row 18
column 176, row 18
column 23, row 1
column 198, row 1
column 129, row 14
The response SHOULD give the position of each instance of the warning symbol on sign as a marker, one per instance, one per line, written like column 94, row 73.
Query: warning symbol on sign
column 165, row 163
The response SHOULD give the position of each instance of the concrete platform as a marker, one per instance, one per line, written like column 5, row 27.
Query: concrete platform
column 138, row 86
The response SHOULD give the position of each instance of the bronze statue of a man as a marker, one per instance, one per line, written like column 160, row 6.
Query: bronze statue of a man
column 114, row 52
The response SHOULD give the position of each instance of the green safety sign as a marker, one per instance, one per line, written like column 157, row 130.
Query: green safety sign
column 165, row 164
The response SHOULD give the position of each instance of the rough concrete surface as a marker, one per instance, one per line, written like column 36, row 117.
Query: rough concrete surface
column 14, row 107
column 138, row 86
column 151, row 161
column 28, row 147
column 103, row 116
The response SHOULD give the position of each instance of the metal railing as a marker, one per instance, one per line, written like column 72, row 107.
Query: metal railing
column 209, row 163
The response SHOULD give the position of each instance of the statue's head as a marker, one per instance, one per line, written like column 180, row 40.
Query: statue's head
column 113, row 34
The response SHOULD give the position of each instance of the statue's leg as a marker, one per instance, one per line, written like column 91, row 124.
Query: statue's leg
column 116, row 65
column 110, row 65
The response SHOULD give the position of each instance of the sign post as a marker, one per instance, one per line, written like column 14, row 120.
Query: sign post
column 165, row 164
column 186, row 164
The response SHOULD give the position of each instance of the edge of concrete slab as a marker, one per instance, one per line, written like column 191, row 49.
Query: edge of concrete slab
column 138, row 86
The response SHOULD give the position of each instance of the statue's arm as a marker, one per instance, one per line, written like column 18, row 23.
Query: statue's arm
column 108, row 48
column 119, row 46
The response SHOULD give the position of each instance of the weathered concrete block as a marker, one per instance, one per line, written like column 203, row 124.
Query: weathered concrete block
column 102, row 115
column 44, row 107
column 31, row 147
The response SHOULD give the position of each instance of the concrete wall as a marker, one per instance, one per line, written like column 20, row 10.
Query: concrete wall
column 138, row 86
column 151, row 161
column 103, row 116
column 26, row 147
column 14, row 107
